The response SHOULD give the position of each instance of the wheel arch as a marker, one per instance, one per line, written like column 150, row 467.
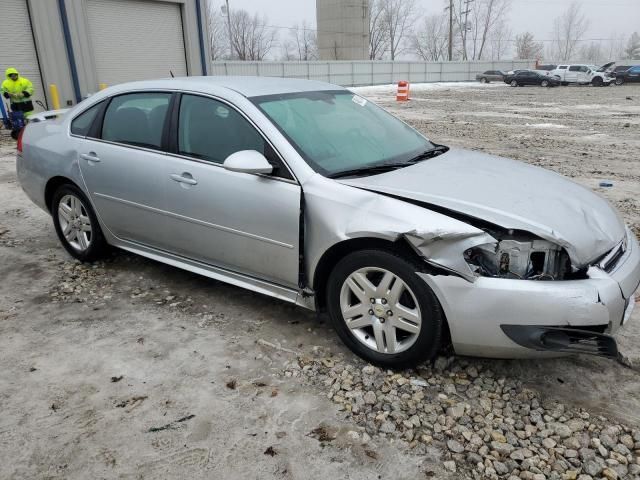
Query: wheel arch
column 52, row 185
column 341, row 249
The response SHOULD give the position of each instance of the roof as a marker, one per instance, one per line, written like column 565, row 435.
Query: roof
column 247, row 86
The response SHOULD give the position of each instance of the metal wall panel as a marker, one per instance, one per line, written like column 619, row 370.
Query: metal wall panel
column 136, row 40
column 17, row 48
column 296, row 70
column 367, row 72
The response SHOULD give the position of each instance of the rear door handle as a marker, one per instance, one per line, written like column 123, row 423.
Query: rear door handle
column 90, row 157
column 184, row 178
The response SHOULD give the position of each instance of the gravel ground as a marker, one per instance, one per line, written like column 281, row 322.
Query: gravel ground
column 131, row 369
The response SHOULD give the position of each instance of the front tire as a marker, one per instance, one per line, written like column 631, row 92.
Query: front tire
column 483, row 80
column 514, row 83
column 544, row 83
column 597, row 82
column 77, row 225
column 382, row 310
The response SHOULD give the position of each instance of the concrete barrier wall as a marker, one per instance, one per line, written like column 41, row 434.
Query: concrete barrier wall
column 350, row 74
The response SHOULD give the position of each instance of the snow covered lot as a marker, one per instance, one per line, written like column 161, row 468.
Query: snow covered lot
column 132, row 369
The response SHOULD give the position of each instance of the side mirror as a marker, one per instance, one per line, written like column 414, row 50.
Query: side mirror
column 247, row 161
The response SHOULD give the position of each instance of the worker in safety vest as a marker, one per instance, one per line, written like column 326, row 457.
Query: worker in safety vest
column 18, row 90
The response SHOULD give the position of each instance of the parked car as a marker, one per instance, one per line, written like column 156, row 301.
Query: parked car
column 545, row 69
column 528, row 77
column 621, row 69
column 314, row 195
column 490, row 76
column 631, row 75
column 513, row 72
column 585, row 74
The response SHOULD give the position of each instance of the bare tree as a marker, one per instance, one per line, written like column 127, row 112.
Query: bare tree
column 592, row 52
column 615, row 46
column 500, row 43
column 288, row 51
column 632, row 51
column 305, row 43
column 398, row 19
column 218, row 33
column 568, row 30
column 251, row 38
column 527, row 48
column 378, row 32
column 478, row 22
column 430, row 41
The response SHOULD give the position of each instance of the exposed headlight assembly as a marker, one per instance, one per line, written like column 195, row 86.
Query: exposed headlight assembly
column 519, row 257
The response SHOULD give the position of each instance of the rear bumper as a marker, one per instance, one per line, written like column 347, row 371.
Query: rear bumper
column 476, row 312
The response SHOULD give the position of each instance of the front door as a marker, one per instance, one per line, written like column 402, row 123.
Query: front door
column 121, row 167
column 242, row 222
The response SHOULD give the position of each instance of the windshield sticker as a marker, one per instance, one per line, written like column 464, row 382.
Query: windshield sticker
column 359, row 100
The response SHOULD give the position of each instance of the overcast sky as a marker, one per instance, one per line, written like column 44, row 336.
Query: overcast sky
column 607, row 17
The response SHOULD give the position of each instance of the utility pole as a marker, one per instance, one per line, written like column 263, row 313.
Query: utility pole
column 465, row 27
column 229, row 27
column 450, row 30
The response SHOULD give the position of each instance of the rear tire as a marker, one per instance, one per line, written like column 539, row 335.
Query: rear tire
column 77, row 225
column 544, row 83
column 382, row 310
column 514, row 83
column 619, row 81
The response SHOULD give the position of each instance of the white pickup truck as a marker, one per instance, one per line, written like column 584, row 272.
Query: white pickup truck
column 585, row 74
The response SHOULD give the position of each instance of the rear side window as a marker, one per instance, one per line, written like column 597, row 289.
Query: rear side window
column 575, row 68
column 562, row 67
column 211, row 130
column 82, row 123
column 136, row 119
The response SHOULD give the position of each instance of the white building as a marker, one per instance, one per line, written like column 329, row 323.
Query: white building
column 80, row 44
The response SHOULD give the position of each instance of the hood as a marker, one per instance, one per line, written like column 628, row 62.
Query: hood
column 606, row 67
column 10, row 71
column 511, row 194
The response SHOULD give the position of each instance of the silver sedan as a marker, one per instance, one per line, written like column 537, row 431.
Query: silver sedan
column 312, row 194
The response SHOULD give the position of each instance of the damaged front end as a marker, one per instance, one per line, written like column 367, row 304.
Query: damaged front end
column 513, row 294
column 522, row 256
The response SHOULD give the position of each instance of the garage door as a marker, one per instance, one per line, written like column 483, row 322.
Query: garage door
column 136, row 40
column 16, row 44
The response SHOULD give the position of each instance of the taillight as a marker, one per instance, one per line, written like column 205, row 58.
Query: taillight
column 20, row 139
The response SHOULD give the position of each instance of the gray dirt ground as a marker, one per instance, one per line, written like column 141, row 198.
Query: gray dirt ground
column 197, row 356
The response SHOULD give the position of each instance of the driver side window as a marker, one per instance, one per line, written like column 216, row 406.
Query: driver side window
column 211, row 130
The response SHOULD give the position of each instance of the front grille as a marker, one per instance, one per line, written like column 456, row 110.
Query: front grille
column 612, row 260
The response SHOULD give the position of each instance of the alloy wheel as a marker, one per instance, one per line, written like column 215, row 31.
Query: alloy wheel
column 75, row 222
column 380, row 310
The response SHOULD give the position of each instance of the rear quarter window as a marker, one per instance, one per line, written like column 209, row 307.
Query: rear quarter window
column 82, row 123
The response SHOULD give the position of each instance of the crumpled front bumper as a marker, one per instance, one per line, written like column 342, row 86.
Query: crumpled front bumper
column 476, row 310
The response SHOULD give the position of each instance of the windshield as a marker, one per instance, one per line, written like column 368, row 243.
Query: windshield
column 338, row 131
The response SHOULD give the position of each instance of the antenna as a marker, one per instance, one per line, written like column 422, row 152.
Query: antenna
column 172, row 75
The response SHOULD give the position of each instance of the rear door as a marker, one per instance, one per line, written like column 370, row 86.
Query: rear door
column 121, row 162
column 242, row 222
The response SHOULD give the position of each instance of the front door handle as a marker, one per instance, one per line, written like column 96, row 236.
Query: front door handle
column 90, row 157
column 184, row 178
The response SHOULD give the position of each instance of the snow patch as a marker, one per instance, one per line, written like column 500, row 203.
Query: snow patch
column 545, row 125
column 422, row 87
